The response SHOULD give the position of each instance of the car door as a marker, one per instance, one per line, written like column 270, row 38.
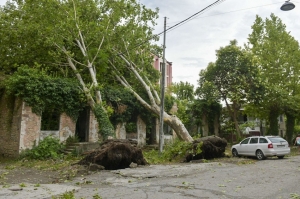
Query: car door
column 242, row 149
column 252, row 146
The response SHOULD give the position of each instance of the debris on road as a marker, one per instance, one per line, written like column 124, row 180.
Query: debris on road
column 115, row 154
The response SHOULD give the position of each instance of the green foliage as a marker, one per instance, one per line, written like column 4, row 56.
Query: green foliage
column 173, row 152
column 106, row 128
column 66, row 195
column 48, row 148
column 71, row 140
column 247, row 124
column 42, row 92
column 169, row 102
column 131, row 127
column 278, row 55
column 296, row 130
column 183, row 91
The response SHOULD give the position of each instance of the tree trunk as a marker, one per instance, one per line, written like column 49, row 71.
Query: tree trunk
column 176, row 124
column 273, row 128
column 204, row 125
column 216, row 125
column 236, row 124
column 290, row 123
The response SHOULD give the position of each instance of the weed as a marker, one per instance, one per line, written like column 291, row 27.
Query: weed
column 2, row 176
column 71, row 140
column 37, row 185
column 66, row 195
column 96, row 196
column 10, row 167
column 174, row 152
column 295, row 196
column 22, row 185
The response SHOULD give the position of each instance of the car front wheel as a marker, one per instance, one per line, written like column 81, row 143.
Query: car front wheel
column 260, row 155
column 235, row 153
column 280, row 157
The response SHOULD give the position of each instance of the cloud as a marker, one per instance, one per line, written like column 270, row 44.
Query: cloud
column 192, row 45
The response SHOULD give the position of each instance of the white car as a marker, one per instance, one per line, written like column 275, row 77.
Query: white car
column 261, row 147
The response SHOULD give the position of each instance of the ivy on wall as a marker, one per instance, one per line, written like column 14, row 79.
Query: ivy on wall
column 41, row 91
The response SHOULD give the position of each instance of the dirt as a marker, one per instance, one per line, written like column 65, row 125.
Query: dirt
column 22, row 174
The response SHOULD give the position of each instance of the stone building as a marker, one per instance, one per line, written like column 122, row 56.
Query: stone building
column 20, row 128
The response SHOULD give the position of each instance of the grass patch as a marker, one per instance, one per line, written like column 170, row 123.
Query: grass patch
column 172, row 153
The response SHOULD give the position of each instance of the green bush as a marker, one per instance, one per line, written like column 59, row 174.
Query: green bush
column 48, row 148
column 174, row 152
column 71, row 140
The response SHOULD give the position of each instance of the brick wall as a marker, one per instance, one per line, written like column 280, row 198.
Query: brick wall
column 20, row 127
column 10, row 124
column 30, row 128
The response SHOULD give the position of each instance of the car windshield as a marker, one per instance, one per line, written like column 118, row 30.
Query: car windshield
column 276, row 139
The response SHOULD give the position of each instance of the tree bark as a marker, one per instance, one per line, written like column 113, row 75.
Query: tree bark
column 290, row 123
column 204, row 125
column 216, row 125
column 273, row 128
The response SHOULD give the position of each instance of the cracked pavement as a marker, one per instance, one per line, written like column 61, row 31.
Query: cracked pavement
column 271, row 178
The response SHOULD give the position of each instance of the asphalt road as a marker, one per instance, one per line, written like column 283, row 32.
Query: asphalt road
column 271, row 178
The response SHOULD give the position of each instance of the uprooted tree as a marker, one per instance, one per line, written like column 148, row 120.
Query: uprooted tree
column 154, row 104
column 79, row 39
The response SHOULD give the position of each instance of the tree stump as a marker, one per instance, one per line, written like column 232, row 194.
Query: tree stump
column 115, row 154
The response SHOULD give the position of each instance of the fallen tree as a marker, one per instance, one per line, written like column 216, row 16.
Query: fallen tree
column 210, row 147
column 154, row 101
column 115, row 154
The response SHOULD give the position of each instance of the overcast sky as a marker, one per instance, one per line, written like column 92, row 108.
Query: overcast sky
column 192, row 45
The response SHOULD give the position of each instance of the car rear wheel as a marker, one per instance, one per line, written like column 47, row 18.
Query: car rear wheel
column 235, row 153
column 280, row 157
column 260, row 155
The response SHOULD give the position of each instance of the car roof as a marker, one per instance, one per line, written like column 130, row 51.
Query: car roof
column 267, row 136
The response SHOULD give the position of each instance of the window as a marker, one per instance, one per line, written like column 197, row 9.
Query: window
column 276, row 139
column 254, row 141
column 50, row 120
column 245, row 141
column 263, row 140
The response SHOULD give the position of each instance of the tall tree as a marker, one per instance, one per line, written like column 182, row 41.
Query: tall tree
column 82, row 38
column 207, row 108
column 75, row 34
column 233, row 76
column 278, row 56
column 183, row 90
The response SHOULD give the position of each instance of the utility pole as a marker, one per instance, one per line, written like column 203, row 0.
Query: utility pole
column 162, row 92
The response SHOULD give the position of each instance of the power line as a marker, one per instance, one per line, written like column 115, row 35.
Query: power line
column 181, row 22
column 193, row 16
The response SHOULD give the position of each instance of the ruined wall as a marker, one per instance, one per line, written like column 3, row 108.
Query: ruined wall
column 30, row 128
column 121, row 131
column 10, row 124
column 141, row 131
column 67, row 127
column 93, row 129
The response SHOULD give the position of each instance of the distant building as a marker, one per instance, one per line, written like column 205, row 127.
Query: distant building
column 158, row 61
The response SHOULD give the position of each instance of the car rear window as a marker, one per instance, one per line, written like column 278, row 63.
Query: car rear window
column 276, row 139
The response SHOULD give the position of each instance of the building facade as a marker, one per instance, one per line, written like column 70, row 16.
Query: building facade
column 157, row 64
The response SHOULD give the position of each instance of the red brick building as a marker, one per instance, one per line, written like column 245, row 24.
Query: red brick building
column 157, row 64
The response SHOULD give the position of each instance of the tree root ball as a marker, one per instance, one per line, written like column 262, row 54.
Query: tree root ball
column 212, row 147
column 115, row 154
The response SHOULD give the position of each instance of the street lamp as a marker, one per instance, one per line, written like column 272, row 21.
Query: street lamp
column 287, row 6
